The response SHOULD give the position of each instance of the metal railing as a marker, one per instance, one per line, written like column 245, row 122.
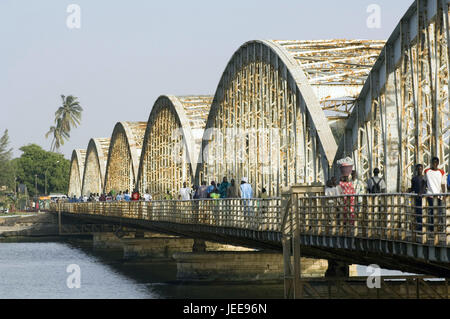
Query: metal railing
column 396, row 217
column 253, row 214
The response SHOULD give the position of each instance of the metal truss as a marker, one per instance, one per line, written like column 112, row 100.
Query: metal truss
column 123, row 156
column 171, row 143
column 281, row 107
column 76, row 172
column 95, row 165
column 276, row 109
column 402, row 114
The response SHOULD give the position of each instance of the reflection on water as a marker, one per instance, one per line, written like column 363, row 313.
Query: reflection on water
column 38, row 270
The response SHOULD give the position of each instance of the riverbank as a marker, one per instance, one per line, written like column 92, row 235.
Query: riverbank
column 28, row 225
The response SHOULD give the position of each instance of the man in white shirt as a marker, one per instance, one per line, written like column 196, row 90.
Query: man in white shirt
column 436, row 182
column 185, row 192
column 147, row 197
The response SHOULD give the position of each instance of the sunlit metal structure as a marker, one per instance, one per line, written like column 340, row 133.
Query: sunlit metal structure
column 76, row 172
column 123, row 156
column 277, row 106
column 95, row 166
column 171, row 143
column 282, row 107
column 402, row 115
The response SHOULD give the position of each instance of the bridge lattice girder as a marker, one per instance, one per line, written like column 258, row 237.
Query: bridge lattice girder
column 76, row 172
column 303, row 92
column 123, row 156
column 171, row 143
column 95, row 166
column 276, row 107
column 402, row 115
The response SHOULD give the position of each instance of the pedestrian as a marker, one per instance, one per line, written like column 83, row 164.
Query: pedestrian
column 119, row 197
column 419, row 187
column 211, row 188
column 345, row 187
column 330, row 189
column 358, row 185
column 223, row 188
column 233, row 190
column 168, row 195
column 215, row 194
column 195, row 192
column 376, row 184
column 127, row 196
column 102, row 198
column 203, row 191
column 247, row 194
column 147, row 197
column 135, row 196
column 435, row 179
column 185, row 192
column 246, row 189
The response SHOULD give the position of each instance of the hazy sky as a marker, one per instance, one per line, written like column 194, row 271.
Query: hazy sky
column 127, row 53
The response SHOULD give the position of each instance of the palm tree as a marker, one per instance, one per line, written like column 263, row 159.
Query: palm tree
column 58, row 136
column 69, row 113
column 67, row 116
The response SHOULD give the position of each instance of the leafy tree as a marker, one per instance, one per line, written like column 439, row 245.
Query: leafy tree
column 37, row 161
column 6, row 167
column 66, row 117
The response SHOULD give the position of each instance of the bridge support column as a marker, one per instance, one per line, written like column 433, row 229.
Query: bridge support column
column 240, row 266
column 139, row 234
column 155, row 247
column 229, row 266
column 337, row 269
column 199, row 246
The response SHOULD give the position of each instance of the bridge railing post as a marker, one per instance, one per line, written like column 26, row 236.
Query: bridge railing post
column 447, row 220
column 404, row 216
column 389, row 231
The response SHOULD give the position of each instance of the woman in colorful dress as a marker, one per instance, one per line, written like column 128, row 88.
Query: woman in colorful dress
column 345, row 187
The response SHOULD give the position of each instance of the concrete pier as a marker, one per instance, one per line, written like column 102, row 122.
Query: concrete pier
column 240, row 266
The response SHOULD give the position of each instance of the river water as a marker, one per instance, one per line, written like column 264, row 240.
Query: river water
column 42, row 269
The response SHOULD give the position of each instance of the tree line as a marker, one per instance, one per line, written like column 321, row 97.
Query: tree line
column 38, row 169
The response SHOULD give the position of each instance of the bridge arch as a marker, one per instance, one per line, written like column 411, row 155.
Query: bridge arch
column 123, row 156
column 76, row 172
column 95, row 165
column 279, row 108
column 171, row 143
column 402, row 116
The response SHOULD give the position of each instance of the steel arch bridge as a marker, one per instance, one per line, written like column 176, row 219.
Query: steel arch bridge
column 385, row 104
column 285, row 111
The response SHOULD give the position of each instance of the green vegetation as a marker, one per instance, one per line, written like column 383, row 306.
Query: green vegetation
column 6, row 166
column 66, row 117
column 35, row 163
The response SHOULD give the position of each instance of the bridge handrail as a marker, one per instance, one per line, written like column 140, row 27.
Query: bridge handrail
column 396, row 217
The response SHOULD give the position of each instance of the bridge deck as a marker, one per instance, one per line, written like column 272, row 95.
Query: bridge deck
column 384, row 229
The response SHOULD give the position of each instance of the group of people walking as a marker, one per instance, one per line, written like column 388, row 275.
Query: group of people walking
column 124, row 196
column 222, row 190
column 430, row 183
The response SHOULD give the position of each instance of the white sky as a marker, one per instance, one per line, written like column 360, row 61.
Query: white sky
column 127, row 53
